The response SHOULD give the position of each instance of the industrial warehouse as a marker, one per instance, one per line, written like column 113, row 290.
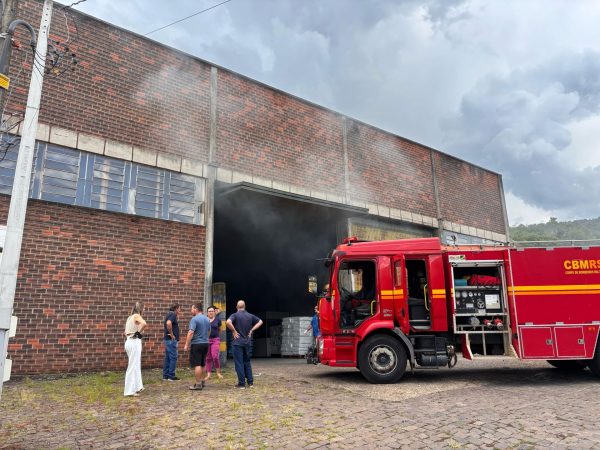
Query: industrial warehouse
column 163, row 178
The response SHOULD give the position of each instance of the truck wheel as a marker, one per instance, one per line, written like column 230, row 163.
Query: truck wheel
column 569, row 365
column 382, row 359
column 594, row 364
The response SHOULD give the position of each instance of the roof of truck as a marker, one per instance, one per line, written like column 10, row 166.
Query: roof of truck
column 429, row 245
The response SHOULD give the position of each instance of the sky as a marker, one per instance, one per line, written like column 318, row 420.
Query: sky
column 511, row 85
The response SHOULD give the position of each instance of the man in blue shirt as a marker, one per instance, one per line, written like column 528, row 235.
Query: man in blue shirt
column 197, row 343
column 171, row 327
column 242, row 324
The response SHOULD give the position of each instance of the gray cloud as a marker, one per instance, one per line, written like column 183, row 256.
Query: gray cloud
column 518, row 124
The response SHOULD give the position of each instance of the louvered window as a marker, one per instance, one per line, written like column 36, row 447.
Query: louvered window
column 59, row 176
column 7, row 169
column 108, row 184
column 149, row 192
column 183, row 195
column 8, row 164
column 78, row 178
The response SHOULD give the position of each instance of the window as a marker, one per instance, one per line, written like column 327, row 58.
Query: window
column 7, row 169
column 150, row 184
column 59, row 174
column 183, row 206
column 8, row 164
column 357, row 287
column 108, row 184
column 73, row 177
column 398, row 274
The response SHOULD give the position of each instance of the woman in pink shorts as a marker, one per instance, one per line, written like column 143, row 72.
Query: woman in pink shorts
column 214, row 342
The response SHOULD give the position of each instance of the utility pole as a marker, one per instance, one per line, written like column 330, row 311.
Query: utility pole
column 9, row 265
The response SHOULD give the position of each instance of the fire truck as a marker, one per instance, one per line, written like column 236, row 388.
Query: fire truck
column 409, row 304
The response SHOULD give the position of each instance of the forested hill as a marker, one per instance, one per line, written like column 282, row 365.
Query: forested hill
column 555, row 230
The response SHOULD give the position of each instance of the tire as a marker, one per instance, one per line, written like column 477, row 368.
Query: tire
column 594, row 363
column 569, row 365
column 382, row 359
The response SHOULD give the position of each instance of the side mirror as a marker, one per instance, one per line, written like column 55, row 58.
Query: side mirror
column 312, row 284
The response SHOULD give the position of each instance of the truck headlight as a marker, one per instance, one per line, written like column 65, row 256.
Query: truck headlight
column 320, row 346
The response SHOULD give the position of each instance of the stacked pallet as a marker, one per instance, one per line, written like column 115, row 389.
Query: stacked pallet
column 293, row 340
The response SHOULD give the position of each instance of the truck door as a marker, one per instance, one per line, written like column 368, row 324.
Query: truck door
column 357, row 285
column 419, row 297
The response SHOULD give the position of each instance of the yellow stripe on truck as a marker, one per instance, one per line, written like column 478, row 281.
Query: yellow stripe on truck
column 557, row 287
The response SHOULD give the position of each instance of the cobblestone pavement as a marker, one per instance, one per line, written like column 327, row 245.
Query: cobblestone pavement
column 483, row 404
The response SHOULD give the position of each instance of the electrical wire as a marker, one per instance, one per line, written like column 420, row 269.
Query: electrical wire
column 185, row 18
column 55, row 59
column 5, row 142
column 73, row 4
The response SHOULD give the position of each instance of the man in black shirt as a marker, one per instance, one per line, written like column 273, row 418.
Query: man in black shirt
column 171, row 326
column 242, row 324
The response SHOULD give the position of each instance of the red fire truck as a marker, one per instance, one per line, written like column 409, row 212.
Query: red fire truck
column 415, row 301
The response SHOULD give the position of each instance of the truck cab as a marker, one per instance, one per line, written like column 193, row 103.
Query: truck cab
column 380, row 294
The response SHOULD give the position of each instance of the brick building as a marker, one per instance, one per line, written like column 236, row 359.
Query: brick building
column 157, row 173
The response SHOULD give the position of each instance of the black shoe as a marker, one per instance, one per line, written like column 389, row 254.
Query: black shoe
column 175, row 379
column 240, row 386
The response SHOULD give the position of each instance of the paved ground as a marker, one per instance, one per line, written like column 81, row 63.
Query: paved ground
column 487, row 404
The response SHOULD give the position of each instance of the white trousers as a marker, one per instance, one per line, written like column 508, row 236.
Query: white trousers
column 133, row 376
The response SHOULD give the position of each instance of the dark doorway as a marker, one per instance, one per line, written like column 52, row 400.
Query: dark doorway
column 266, row 246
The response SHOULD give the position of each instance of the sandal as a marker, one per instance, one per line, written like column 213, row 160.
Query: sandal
column 196, row 387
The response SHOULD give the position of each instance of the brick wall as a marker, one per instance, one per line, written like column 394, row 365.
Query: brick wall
column 126, row 88
column 468, row 195
column 389, row 170
column 80, row 273
column 274, row 135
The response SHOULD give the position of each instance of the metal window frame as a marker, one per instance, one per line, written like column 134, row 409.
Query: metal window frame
column 84, row 184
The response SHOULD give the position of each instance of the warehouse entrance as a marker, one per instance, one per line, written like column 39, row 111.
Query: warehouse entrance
column 266, row 244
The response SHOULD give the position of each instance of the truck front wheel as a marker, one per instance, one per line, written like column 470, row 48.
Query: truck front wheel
column 382, row 359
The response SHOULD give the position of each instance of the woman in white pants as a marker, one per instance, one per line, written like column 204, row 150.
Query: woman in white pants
column 133, row 346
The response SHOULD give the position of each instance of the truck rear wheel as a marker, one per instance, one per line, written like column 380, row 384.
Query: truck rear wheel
column 382, row 359
column 594, row 363
column 568, row 365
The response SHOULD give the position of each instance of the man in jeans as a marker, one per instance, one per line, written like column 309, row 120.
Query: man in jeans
column 171, row 327
column 242, row 324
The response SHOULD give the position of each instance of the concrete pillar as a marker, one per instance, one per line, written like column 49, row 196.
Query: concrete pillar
column 209, row 215
column 345, row 152
column 436, row 194
column 504, row 210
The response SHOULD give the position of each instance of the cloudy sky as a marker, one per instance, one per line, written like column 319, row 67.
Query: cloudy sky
column 513, row 86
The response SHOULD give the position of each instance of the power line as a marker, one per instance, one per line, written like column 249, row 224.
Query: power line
column 74, row 3
column 185, row 18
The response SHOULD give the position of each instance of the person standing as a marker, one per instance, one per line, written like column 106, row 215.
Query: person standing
column 134, row 326
column 314, row 325
column 311, row 354
column 171, row 328
column 242, row 324
column 214, row 342
column 197, row 343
